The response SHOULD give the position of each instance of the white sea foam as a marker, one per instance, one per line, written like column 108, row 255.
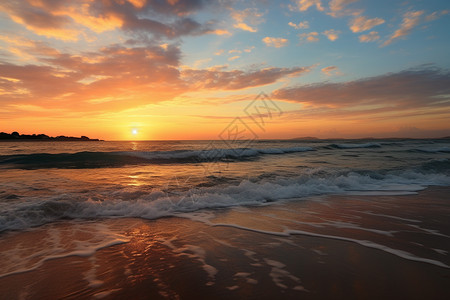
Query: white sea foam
column 199, row 254
column 279, row 275
column 103, row 294
column 391, row 217
column 24, row 214
column 246, row 276
column 85, row 240
column 366, row 243
column 90, row 275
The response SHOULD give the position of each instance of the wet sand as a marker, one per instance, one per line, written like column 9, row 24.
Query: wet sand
column 334, row 247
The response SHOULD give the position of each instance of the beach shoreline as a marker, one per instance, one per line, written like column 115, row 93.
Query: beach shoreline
column 237, row 253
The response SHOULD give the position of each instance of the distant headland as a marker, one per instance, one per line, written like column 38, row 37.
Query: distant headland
column 15, row 136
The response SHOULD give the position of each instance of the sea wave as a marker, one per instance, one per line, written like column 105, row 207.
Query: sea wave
column 431, row 150
column 159, row 203
column 355, row 146
column 112, row 159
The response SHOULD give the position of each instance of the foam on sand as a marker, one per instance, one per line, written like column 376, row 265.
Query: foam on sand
column 198, row 253
column 52, row 242
column 366, row 243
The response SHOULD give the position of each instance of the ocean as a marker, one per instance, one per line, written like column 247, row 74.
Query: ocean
column 74, row 199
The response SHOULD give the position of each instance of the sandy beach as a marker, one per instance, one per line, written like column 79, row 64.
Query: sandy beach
column 334, row 247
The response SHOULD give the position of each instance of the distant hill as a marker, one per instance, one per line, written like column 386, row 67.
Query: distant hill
column 306, row 138
column 15, row 136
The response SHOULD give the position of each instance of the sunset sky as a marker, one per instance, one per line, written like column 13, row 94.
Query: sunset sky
column 186, row 69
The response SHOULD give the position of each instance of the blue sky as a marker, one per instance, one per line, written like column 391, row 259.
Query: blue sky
column 427, row 42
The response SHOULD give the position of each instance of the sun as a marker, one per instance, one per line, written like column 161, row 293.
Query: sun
column 134, row 131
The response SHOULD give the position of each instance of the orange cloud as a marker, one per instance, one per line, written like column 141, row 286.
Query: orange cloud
column 251, row 15
column 221, row 32
column 338, row 8
column 436, row 15
column 300, row 25
column 245, row 27
column 64, row 19
column 303, row 5
column 410, row 20
column 249, row 49
column 331, row 34
column 141, row 3
column 247, row 16
column 376, row 104
column 411, row 88
column 219, row 52
column 28, row 47
column 140, row 75
column 309, row 37
column 331, row 70
column 338, row 5
column 362, row 23
column 116, row 78
column 275, row 42
column 370, row 37
column 237, row 79
column 106, row 22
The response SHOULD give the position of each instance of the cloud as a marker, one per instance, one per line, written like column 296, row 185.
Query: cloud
column 249, row 49
column 127, row 77
column 28, row 47
column 303, row 5
column 250, row 15
column 338, row 5
column 247, row 16
column 338, row 8
column 436, row 15
column 220, row 32
column 245, row 27
column 180, row 27
column 370, row 37
column 331, row 70
column 410, row 20
column 361, row 23
column 220, row 79
column 331, row 34
column 119, row 78
column 275, row 42
column 201, row 62
column 300, row 25
column 22, row 82
column 233, row 58
column 40, row 20
column 415, row 88
column 309, row 37
column 66, row 20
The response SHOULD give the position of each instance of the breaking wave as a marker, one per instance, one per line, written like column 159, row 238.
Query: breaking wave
column 133, row 202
